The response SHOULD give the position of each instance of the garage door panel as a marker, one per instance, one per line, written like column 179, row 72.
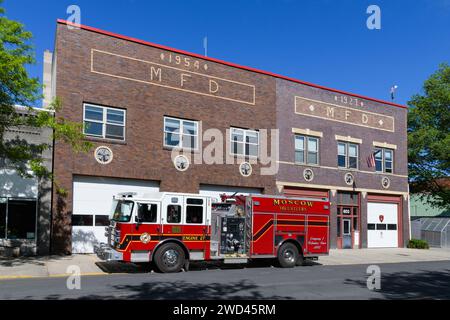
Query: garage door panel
column 92, row 198
column 382, row 220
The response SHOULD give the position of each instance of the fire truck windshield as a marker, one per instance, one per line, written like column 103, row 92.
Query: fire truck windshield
column 122, row 210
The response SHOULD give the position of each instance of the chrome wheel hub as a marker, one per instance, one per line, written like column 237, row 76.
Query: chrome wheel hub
column 170, row 257
column 289, row 255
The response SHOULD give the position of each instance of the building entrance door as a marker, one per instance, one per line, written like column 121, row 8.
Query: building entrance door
column 346, row 234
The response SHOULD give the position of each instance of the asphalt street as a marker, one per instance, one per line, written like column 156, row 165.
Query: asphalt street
column 415, row 280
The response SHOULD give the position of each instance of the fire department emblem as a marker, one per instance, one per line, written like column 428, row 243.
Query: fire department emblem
column 381, row 217
column 181, row 163
column 245, row 169
column 349, row 179
column 145, row 238
column 103, row 155
column 308, row 174
column 385, row 182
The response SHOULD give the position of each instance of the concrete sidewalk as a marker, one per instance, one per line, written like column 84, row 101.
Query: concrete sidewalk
column 51, row 266
column 383, row 255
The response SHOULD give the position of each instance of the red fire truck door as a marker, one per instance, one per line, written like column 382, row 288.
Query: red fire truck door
column 263, row 234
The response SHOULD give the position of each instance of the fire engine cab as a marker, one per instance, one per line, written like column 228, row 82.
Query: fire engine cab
column 171, row 229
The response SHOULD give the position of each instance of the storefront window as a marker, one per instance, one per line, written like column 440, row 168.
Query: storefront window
column 21, row 219
column 2, row 218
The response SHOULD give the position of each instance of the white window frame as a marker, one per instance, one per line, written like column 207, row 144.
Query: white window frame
column 104, row 121
column 181, row 133
column 347, row 154
column 244, row 142
column 383, row 160
column 306, row 150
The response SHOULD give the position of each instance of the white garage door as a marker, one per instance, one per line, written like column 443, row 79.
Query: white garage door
column 215, row 191
column 382, row 225
column 92, row 199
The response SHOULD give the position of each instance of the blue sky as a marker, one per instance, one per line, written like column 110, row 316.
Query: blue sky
column 321, row 41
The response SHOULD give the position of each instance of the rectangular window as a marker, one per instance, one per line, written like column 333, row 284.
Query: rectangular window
column 2, row 218
column 101, row 220
column 104, row 122
column 371, row 226
column 180, row 133
column 194, row 211
column 147, row 212
column 306, row 150
column 244, row 142
column 348, row 155
column 82, row 220
column 392, row 227
column 384, row 160
column 173, row 213
column 381, row 226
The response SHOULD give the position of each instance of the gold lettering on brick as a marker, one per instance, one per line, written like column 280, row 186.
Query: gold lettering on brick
column 352, row 116
column 152, row 73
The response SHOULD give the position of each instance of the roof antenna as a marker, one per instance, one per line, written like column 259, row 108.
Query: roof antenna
column 393, row 89
column 205, row 45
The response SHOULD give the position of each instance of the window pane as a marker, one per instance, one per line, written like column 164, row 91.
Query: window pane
column 115, row 116
column 147, row 212
column 371, row 226
column 378, row 165
column 173, row 214
column 378, row 154
column 299, row 156
column 101, row 220
column 194, row 214
column 189, row 127
column 251, row 150
column 238, row 148
column 312, row 144
column 381, row 226
column 2, row 218
column 388, row 154
column 93, row 128
column 312, row 158
column 189, row 142
column 341, row 149
column 171, row 125
column 355, row 224
column 172, row 139
column 82, row 220
column 93, row 113
column 388, row 166
column 114, row 132
column 352, row 162
column 237, row 135
column 21, row 219
column 252, row 137
column 392, row 227
column 299, row 143
column 341, row 161
column 352, row 150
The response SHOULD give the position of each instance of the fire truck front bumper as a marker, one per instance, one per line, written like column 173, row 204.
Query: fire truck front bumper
column 106, row 253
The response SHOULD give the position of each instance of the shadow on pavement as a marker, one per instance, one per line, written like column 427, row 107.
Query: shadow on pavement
column 181, row 290
column 407, row 285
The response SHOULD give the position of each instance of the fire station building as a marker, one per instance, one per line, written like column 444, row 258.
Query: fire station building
column 138, row 101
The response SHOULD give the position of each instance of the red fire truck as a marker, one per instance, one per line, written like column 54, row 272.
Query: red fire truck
column 171, row 229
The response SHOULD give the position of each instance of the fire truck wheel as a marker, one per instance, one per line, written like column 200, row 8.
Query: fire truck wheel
column 288, row 255
column 169, row 258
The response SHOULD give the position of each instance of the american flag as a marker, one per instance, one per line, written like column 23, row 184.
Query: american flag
column 371, row 160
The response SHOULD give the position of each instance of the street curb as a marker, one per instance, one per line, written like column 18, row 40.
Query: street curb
column 54, row 275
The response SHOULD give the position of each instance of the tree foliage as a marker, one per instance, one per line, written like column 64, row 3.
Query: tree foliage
column 429, row 139
column 18, row 88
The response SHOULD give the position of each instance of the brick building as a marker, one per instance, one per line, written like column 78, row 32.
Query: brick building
column 140, row 100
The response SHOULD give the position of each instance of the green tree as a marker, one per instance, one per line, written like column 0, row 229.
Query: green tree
column 429, row 139
column 18, row 88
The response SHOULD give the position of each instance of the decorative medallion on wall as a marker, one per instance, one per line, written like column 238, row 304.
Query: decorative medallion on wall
column 245, row 169
column 385, row 182
column 181, row 163
column 103, row 155
column 349, row 179
column 308, row 175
